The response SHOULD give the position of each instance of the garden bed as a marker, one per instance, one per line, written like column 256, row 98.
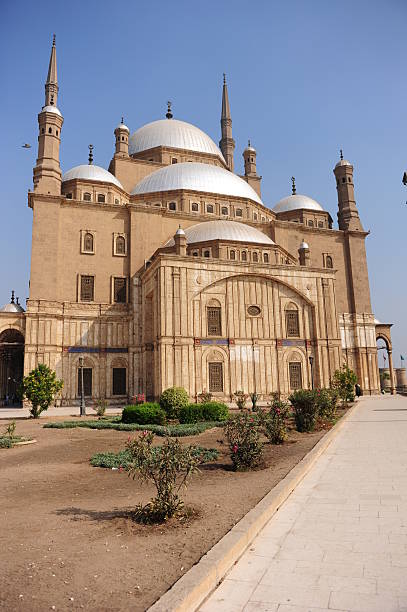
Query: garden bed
column 67, row 527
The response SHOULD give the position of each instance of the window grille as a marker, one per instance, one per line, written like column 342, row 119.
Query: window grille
column 88, row 243
column 194, row 207
column 214, row 321
column 87, row 197
column 239, row 212
column 266, row 257
column 119, row 381
column 224, row 210
column 87, row 288
column 215, row 377
column 292, row 323
column 295, row 375
column 255, row 257
column 209, row 208
column 120, row 245
column 232, row 255
column 244, row 256
column 87, row 382
column 119, row 290
column 207, row 254
column 101, row 198
column 172, row 206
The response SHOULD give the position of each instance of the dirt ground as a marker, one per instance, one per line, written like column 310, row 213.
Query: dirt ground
column 67, row 540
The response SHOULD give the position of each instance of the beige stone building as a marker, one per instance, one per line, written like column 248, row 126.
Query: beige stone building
column 169, row 269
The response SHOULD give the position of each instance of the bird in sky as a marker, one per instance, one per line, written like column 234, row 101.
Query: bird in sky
column 26, row 146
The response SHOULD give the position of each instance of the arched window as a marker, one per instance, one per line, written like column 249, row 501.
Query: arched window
column 255, row 257
column 292, row 323
column 195, row 254
column 87, row 197
column 265, row 257
column 244, row 256
column 49, row 130
column 88, row 243
column 320, row 224
column 194, row 207
column 295, row 375
column 224, row 210
column 254, row 216
column 209, row 208
column 120, row 245
column 349, row 180
column 239, row 212
column 116, row 201
column 214, row 320
column 328, row 262
column 172, row 206
column 343, row 179
column 232, row 255
column 310, row 223
column 69, row 196
column 207, row 254
column 101, row 198
column 42, row 131
column 215, row 375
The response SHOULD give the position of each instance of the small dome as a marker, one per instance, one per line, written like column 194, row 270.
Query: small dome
column 304, row 245
column 249, row 148
column 174, row 134
column 180, row 232
column 122, row 126
column 343, row 162
column 196, row 177
column 296, row 202
column 223, row 230
column 51, row 109
column 89, row 172
column 12, row 308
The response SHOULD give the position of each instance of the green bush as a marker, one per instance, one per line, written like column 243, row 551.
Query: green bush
column 40, row 387
column 305, row 407
column 344, row 381
column 172, row 400
column 149, row 413
column 243, row 435
column 327, row 400
column 6, row 442
column 208, row 411
column 274, row 422
column 178, row 431
column 123, row 458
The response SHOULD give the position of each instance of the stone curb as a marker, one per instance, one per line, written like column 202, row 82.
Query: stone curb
column 189, row 592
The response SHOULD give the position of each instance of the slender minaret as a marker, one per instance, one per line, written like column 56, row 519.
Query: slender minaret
column 250, row 169
column 226, row 144
column 47, row 172
column 122, row 139
column 348, row 215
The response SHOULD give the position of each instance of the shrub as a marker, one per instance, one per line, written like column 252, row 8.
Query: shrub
column 123, row 458
column 40, row 387
column 100, row 407
column 209, row 411
column 243, row 436
column 254, row 399
column 204, row 397
column 182, row 430
column 168, row 467
column 172, row 400
column 344, row 381
column 138, row 399
column 327, row 400
column 305, row 406
column 6, row 442
column 274, row 422
column 240, row 398
column 149, row 413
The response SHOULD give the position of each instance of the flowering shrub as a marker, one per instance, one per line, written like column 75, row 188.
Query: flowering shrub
column 168, row 467
column 327, row 400
column 274, row 422
column 305, row 407
column 172, row 400
column 240, row 398
column 150, row 413
column 138, row 399
column 344, row 381
column 243, row 435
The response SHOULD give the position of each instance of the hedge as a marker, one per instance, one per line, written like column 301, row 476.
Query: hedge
column 149, row 413
column 207, row 411
column 123, row 458
column 160, row 430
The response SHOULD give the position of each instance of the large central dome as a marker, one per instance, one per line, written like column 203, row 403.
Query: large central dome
column 196, row 177
column 174, row 134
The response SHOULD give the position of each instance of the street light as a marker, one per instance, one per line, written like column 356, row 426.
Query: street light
column 311, row 362
column 82, row 404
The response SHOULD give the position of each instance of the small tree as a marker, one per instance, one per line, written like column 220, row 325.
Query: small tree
column 344, row 381
column 40, row 387
column 172, row 400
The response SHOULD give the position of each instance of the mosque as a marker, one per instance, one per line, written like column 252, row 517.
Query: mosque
column 169, row 269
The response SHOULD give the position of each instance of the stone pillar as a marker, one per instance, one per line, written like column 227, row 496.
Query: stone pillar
column 392, row 387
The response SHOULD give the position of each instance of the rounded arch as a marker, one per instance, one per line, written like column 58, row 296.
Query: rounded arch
column 292, row 357
column 215, row 371
column 11, row 366
column 214, row 302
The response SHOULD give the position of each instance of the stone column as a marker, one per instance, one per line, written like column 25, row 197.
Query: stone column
column 392, row 387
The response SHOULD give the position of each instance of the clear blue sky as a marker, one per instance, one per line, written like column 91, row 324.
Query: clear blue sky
column 305, row 78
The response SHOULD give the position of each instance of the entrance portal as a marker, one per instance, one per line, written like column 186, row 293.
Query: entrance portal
column 11, row 366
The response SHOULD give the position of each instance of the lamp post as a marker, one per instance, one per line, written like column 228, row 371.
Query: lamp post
column 82, row 404
column 311, row 362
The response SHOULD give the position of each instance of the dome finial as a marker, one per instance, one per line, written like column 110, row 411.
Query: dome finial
column 122, row 121
column 341, row 153
column 249, row 143
column 90, row 147
column 224, row 78
column 293, row 188
column 12, row 297
column 169, row 114
column 53, row 40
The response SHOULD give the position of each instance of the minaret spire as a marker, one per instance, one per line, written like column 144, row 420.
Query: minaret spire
column 226, row 144
column 51, row 85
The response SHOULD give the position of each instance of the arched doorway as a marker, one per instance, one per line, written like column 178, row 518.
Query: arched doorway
column 385, row 364
column 11, row 366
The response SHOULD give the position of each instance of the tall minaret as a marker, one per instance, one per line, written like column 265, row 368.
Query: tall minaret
column 226, row 144
column 47, row 172
column 348, row 216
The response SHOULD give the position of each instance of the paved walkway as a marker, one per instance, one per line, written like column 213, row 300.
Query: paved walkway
column 339, row 542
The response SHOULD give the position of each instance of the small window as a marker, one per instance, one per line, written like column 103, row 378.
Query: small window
column 224, row 210
column 254, row 310
column 328, row 262
column 207, row 254
column 87, row 197
column 215, row 372
column 49, row 130
column 349, row 180
column 87, row 382
column 57, row 132
column 294, row 369
column 88, row 243
column 172, row 206
column 174, row 160
column 195, row 254
column 263, row 219
column 232, row 255
column 244, row 256
column 254, row 216
column 194, row 207
column 119, row 290
column 69, row 196
column 116, row 201
column 101, row 198
column 214, row 321
column 320, row 224
column 119, row 381
column 239, row 212
column 42, row 131
column 120, row 245
column 209, row 208
column 343, row 179
column 122, row 138
column 255, row 257
column 310, row 223
column 266, row 257
column 292, row 323
column 87, row 288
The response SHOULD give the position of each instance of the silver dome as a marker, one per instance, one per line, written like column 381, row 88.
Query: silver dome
column 223, row 230
column 12, row 308
column 51, row 109
column 196, row 177
column 122, row 126
column 89, row 172
column 296, row 202
column 343, row 162
column 172, row 133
